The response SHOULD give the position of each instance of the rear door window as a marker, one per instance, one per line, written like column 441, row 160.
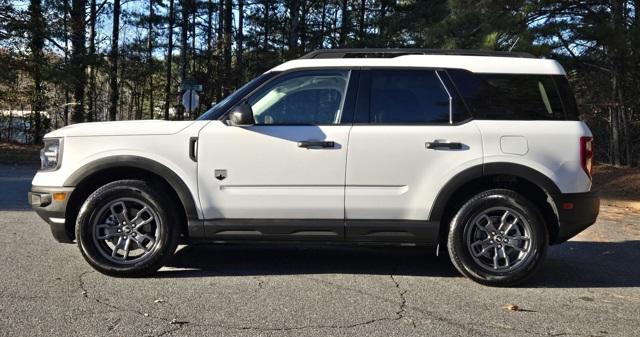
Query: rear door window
column 408, row 97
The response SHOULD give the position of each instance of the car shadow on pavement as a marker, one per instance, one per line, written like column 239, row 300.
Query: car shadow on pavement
column 240, row 259
column 573, row 264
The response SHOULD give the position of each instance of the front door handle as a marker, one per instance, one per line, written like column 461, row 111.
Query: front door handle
column 316, row 144
column 443, row 144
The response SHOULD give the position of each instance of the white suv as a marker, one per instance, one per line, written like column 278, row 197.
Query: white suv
column 481, row 153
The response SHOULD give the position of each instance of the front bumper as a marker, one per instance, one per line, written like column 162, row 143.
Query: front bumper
column 52, row 211
column 576, row 212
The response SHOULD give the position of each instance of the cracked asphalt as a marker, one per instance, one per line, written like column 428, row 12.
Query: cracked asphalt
column 589, row 286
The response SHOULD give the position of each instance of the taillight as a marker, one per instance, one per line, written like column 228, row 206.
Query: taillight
column 586, row 154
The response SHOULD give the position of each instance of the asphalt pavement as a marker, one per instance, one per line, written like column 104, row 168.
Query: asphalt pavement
column 589, row 286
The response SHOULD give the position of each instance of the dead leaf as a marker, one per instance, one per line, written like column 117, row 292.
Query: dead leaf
column 175, row 321
column 511, row 307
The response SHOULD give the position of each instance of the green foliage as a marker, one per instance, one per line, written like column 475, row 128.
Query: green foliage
column 598, row 42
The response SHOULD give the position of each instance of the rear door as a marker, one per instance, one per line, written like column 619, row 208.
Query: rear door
column 410, row 136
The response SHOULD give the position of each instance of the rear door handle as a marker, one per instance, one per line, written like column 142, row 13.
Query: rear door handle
column 316, row 144
column 443, row 144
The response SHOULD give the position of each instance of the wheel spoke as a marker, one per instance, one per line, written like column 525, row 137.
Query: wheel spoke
column 120, row 216
column 127, row 247
column 138, row 221
column 140, row 238
column 483, row 251
column 488, row 228
column 518, row 237
column 485, row 247
column 110, row 232
column 520, row 249
column 117, row 247
column 505, row 256
column 495, row 258
column 503, row 220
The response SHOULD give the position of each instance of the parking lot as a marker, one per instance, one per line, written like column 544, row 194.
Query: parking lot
column 589, row 286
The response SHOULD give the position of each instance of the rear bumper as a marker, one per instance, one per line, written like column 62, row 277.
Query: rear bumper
column 52, row 211
column 576, row 212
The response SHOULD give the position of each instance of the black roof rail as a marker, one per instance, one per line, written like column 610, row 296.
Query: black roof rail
column 386, row 52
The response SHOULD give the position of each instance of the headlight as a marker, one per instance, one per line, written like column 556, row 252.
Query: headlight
column 51, row 154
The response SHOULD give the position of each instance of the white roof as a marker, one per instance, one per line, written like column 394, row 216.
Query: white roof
column 476, row 64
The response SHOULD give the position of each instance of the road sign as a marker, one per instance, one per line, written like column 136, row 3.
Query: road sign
column 190, row 100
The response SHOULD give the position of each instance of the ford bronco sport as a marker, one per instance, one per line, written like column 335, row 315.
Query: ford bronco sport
column 483, row 153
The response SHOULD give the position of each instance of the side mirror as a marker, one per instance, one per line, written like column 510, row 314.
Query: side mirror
column 241, row 115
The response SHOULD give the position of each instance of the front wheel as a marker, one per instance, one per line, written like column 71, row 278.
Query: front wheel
column 125, row 228
column 497, row 238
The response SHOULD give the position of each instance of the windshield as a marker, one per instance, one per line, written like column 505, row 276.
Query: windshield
column 221, row 107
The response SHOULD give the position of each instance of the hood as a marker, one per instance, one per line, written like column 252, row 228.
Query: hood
column 121, row 128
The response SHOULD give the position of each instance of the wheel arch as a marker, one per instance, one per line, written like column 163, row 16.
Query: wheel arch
column 104, row 170
column 534, row 185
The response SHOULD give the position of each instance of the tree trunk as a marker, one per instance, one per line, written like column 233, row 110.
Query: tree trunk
column 219, row 78
column 184, row 47
column 78, row 61
column 618, row 54
column 36, row 46
column 91, row 114
column 167, row 86
column 294, row 14
column 323, row 23
column 113, row 58
column 363, row 10
column 65, row 23
column 184, row 42
column 194, row 25
column 240, row 42
column 150, row 57
column 344, row 25
column 209, row 84
column 228, row 27
column 266, row 25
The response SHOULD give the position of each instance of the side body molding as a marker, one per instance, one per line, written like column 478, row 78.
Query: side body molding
column 489, row 169
column 178, row 185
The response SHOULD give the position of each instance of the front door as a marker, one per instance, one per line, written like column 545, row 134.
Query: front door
column 284, row 176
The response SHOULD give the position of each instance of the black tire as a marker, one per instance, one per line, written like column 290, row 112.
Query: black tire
column 464, row 228
column 163, row 222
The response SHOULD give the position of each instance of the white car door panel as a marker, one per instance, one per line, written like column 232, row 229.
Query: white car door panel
column 269, row 175
column 391, row 174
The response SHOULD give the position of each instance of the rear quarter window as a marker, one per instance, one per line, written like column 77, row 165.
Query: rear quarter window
column 515, row 96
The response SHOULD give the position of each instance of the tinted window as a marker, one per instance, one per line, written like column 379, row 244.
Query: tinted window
column 228, row 102
column 569, row 101
column 511, row 97
column 309, row 97
column 408, row 97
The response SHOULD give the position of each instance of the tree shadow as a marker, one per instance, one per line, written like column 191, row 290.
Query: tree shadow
column 15, row 183
column 574, row 264
column 590, row 264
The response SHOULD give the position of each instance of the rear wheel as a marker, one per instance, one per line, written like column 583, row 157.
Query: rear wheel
column 124, row 229
column 497, row 238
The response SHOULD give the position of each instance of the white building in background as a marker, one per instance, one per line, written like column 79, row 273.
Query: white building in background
column 15, row 125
